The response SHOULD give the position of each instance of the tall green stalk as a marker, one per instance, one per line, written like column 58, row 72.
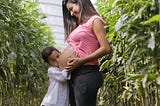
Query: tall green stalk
column 22, row 38
column 133, row 29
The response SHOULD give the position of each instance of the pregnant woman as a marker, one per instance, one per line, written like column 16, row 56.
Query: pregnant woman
column 85, row 35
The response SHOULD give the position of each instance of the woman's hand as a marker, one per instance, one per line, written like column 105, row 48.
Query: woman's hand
column 73, row 63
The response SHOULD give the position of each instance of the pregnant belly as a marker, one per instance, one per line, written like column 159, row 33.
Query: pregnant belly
column 66, row 53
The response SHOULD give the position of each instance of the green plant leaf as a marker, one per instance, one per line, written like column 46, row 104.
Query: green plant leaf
column 155, row 18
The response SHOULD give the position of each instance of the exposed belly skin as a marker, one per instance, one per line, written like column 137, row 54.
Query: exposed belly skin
column 66, row 53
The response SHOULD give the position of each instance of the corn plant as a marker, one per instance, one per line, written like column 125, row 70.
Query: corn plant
column 132, row 71
column 22, row 37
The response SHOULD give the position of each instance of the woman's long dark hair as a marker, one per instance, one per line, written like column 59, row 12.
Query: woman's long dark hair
column 71, row 22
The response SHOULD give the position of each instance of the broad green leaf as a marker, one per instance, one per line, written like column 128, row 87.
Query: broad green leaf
column 155, row 18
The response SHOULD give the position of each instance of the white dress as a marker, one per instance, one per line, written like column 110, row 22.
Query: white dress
column 58, row 90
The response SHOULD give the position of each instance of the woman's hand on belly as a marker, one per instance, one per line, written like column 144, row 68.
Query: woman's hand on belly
column 67, row 53
column 74, row 62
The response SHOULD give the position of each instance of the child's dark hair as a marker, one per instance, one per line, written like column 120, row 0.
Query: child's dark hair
column 47, row 51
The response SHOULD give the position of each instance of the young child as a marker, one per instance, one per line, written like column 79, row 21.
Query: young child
column 58, row 91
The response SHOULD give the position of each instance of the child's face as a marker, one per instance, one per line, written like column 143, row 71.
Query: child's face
column 53, row 59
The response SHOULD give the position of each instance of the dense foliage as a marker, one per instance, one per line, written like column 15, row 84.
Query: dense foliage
column 132, row 71
column 22, row 37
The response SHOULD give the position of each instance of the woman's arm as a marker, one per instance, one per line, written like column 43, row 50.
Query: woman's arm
column 100, row 32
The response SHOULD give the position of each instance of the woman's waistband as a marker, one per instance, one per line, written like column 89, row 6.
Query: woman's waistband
column 84, row 70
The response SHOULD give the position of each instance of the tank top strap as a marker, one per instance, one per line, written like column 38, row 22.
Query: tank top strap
column 89, row 23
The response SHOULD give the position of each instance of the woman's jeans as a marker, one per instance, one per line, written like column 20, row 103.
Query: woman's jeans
column 84, row 84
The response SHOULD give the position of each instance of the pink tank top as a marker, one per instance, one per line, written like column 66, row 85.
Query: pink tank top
column 83, row 40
